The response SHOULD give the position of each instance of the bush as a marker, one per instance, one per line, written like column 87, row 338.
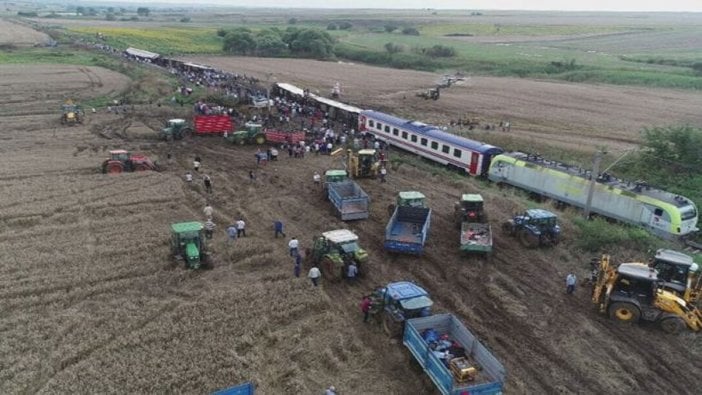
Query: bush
column 221, row 32
column 392, row 48
column 110, row 17
column 185, row 19
column 331, row 26
column 440, row 51
column 410, row 31
column 345, row 26
column 598, row 235
column 27, row 14
column 292, row 21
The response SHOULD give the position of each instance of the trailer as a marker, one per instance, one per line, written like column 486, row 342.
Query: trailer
column 349, row 200
column 246, row 388
column 408, row 227
column 213, row 124
column 476, row 372
column 476, row 237
column 284, row 136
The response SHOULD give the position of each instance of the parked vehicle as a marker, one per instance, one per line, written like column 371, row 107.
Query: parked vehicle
column 453, row 358
column 176, row 129
column 476, row 233
column 334, row 251
column 408, row 228
column 213, row 124
column 535, row 227
column 124, row 161
column 363, row 164
column 246, row 388
column 71, row 113
column 349, row 200
column 396, row 302
column 679, row 274
column 251, row 134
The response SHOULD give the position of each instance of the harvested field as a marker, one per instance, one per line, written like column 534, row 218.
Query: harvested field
column 564, row 114
column 91, row 301
column 20, row 36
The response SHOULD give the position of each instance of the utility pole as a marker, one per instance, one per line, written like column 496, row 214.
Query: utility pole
column 593, row 179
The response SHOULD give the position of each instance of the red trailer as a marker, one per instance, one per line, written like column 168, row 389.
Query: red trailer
column 213, row 124
column 282, row 136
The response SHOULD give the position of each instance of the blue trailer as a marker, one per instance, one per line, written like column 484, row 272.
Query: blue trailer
column 408, row 227
column 246, row 388
column 349, row 200
column 476, row 373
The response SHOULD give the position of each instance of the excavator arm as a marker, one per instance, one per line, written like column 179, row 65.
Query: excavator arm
column 606, row 276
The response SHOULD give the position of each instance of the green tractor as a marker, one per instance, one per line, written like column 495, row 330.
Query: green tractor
column 331, row 176
column 188, row 244
column 176, row 129
column 252, row 134
column 334, row 251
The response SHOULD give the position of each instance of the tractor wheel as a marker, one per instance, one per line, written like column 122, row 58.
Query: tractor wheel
column 390, row 327
column 141, row 167
column 329, row 269
column 672, row 325
column 507, row 228
column 624, row 312
column 260, row 139
column 63, row 120
column 185, row 132
column 114, row 168
column 526, row 239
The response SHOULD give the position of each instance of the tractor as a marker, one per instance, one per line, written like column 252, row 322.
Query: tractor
column 535, row 227
column 365, row 163
column 679, row 274
column 632, row 292
column 122, row 161
column 334, row 251
column 176, row 129
column 71, row 113
column 188, row 244
column 331, row 176
column 253, row 134
column 397, row 302
column 432, row 94
column 469, row 209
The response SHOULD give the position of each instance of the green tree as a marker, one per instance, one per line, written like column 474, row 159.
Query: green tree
column 332, row 26
column 221, row 32
column 390, row 28
column 239, row 42
column 392, row 48
column 143, row 11
column 110, row 17
column 80, row 10
column 270, row 43
column 313, row 43
column 292, row 21
column 410, row 31
column 345, row 26
column 185, row 19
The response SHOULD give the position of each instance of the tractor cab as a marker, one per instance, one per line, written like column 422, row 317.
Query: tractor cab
column 410, row 199
column 470, row 208
column 335, row 250
column 71, row 113
column 540, row 221
column 119, row 155
column 676, row 271
column 175, row 129
column 364, row 163
column 403, row 300
column 187, row 244
column 331, row 176
column 252, row 133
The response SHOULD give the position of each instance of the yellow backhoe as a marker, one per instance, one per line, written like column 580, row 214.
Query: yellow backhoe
column 365, row 163
column 633, row 291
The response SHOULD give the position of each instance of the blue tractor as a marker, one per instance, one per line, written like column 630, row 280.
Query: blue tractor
column 535, row 227
column 397, row 302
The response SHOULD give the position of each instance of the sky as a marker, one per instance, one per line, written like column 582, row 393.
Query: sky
column 564, row 5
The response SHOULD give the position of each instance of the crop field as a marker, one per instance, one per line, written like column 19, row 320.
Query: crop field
column 20, row 36
column 93, row 303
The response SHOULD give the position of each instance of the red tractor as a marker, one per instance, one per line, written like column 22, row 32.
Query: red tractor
column 121, row 161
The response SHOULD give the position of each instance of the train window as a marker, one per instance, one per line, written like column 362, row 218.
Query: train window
column 387, row 129
column 658, row 212
column 404, row 135
column 395, row 132
column 434, row 145
column 370, row 123
column 379, row 126
column 413, row 138
column 456, row 153
column 423, row 142
column 445, row 149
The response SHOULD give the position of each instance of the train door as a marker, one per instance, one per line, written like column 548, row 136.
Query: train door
column 474, row 163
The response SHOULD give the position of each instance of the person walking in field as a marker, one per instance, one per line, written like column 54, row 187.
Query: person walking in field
column 317, row 179
column 293, row 246
column 196, row 163
column 188, row 177
column 208, row 183
column 209, row 228
column 366, row 303
column 570, row 283
column 208, row 211
column 298, row 265
column 278, row 227
column 240, row 228
column 383, row 173
column 232, row 232
column 352, row 272
column 314, row 275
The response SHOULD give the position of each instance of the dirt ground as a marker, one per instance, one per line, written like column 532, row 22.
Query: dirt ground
column 575, row 116
column 20, row 36
column 92, row 302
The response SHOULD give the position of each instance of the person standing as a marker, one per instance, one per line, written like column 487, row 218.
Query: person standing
column 209, row 228
column 383, row 173
column 317, row 179
column 314, row 275
column 365, row 307
column 188, row 177
column 208, row 183
column 196, row 163
column 252, row 176
column 352, row 272
column 208, row 211
column 293, row 246
column 278, row 226
column 232, row 232
column 570, row 283
column 298, row 265
column 240, row 228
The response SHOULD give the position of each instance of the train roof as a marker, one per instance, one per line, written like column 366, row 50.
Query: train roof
column 332, row 103
column 635, row 187
column 433, row 132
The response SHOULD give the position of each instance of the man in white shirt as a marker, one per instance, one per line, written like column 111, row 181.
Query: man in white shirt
column 317, row 179
column 314, row 275
column 240, row 228
column 208, row 211
column 293, row 245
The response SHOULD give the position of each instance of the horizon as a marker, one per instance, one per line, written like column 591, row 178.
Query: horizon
column 691, row 6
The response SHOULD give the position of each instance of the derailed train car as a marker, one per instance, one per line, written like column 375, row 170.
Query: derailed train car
column 663, row 213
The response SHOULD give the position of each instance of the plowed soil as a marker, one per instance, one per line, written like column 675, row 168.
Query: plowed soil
column 92, row 303
column 20, row 36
